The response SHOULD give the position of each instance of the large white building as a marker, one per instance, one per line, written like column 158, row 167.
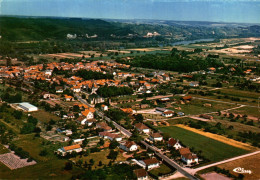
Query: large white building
column 27, row 107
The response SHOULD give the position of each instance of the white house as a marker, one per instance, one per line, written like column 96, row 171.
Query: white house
column 88, row 114
column 104, row 107
column 78, row 141
column 110, row 136
column 76, row 89
column 128, row 146
column 46, row 95
column 194, row 84
column 69, row 149
column 167, row 113
column 188, row 157
column 150, row 163
column 59, row 89
column 156, row 137
column 174, row 143
column 142, row 128
column 84, row 121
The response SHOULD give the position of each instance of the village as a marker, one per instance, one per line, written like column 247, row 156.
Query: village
column 99, row 106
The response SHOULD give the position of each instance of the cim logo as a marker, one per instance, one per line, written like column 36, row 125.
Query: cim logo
column 242, row 170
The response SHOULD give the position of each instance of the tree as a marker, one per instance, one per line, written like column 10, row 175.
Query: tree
column 18, row 114
column 91, row 162
column 83, row 96
column 43, row 152
column 112, row 154
column 113, row 144
column 139, row 118
column 27, row 128
column 68, row 166
column 100, row 163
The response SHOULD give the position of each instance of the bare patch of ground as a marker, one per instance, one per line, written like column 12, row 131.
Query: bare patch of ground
column 251, row 163
column 13, row 161
column 214, row 176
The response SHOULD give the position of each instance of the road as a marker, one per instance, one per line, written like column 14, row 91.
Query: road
column 170, row 162
column 129, row 134
column 101, row 114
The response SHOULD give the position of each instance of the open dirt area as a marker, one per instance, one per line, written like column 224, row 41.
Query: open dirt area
column 214, row 176
column 251, row 163
column 13, row 161
column 126, row 52
column 148, row 111
column 219, row 138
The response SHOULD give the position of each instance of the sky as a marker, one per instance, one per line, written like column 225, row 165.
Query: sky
column 243, row 11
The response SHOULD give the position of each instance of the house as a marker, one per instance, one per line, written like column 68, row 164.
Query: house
column 187, row 98
column 150, row 163
column 158, row 109
column 95, row 99
column 127, row 110
column 128, row 146
column 180, row 113
column 144, row 106
column 142, row 128
column 71, row 116
column 166, row 77
column 78, row 141
column 104, row 126
column 194, row 84
column 46, row 95
column 84, row 121
column 188, row 157
column 76, row 89
column 68, row 98
column 167, row 113
column 110, row 136
column 141, row 174
column 88, row 114
column 205, row 116
column 104, row 107
column 174, row 143
column 156, row 137
column 59, row 89
column 69, row 149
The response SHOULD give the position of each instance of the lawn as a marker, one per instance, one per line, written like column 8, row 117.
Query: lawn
column 211, row 149
column 162, row 170
column 44, row 116
column 99, row 156
column 34, row 145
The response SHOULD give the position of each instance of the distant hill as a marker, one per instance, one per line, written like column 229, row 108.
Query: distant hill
column 18, row 28
column 45, row 28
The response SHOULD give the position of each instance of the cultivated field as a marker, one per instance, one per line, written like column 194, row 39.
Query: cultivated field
column 248, row 163
column 219, row 138
column 211, row 149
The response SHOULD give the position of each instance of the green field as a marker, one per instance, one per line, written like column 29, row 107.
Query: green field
column 52, row 169
column 211, row 149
